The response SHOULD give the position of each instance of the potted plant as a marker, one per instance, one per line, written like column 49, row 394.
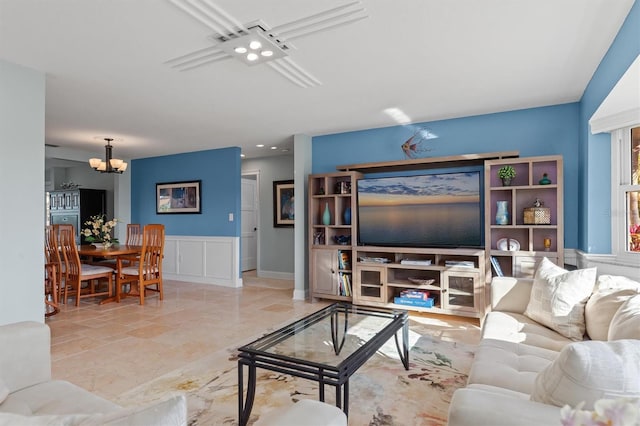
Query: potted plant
column 506, row 173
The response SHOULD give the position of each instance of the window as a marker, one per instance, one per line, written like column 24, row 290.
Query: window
column 626, row 192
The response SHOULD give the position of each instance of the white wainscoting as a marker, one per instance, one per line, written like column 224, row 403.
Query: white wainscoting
column 206, row 260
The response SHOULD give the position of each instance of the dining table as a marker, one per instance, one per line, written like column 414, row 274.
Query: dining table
column 113, row 252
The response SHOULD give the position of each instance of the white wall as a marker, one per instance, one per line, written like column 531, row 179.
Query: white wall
column 22, row 108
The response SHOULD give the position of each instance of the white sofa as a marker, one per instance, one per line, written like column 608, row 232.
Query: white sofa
column 524, row 372
column 28, row 395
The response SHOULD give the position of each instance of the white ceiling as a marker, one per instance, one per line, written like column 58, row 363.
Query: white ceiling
column 105, row 62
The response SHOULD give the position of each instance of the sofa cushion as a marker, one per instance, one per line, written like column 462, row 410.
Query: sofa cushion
column 482, row 407
column 517, row 328
column 608, row 295
column 56, row 397
column 171, row 412
column 626, row 321
column 588, row 371
column 558, row 298
column 508, row 365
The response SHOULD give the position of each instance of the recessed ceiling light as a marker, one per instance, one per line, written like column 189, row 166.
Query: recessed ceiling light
column 255, row 45
column 241, row 155
column 252, row 57
column 267, row 53
column 260, row 145
column 274, row 147
column 285, row 150
column 240, row 49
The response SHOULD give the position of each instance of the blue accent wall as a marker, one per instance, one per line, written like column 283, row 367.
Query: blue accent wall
column 219, row 170
column 595, row 153
column 537, row 131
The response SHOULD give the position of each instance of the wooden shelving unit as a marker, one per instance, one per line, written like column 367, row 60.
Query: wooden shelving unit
column 331, row 244
column 522, row 194
column 380, row 276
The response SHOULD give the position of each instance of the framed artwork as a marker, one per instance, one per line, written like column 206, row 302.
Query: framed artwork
column 283, row 203
column 178, row 197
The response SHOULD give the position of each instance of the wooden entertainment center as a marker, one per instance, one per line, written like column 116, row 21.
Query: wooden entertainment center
column 455, row 278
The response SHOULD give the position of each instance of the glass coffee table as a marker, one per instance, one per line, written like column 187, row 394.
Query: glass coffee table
column 327, row 347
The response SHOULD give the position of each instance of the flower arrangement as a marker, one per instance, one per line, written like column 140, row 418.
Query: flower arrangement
column 607, row 412
column 507, row 172
column 98, row 229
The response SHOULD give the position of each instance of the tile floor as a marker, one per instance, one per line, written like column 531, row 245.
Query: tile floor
column 109, row 349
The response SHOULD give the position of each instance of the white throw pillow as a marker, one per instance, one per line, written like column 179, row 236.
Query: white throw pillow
column 609, row 294
column 4, row 391
column 626, row 321
column 558, row 298
column 588, row 371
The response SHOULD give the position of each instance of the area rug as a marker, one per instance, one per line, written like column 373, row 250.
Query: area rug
column 382, row 392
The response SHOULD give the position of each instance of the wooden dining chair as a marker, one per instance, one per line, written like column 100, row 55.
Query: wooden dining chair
column 147, row 272
column 51, row 289
column 78, row 272
column 62, row 269
column 134, row 236
column 53, row 256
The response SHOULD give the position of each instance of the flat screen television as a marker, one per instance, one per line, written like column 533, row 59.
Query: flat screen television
column 428, row 210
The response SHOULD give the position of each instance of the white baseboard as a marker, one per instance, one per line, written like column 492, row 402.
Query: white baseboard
column 300, row 294
column 275, row 275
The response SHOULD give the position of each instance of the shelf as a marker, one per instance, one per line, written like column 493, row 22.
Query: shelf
column 524, row 193
column 428, row 163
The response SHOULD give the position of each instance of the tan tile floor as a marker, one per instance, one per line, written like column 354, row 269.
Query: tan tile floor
column 109, row 349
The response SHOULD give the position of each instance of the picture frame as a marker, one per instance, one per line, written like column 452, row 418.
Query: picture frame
column 283, row 204
column 178, row 197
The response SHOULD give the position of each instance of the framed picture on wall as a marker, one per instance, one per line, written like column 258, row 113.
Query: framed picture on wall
column 283, row 204
column 178, row 197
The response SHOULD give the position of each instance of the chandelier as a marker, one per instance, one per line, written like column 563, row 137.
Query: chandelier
column 109, row 165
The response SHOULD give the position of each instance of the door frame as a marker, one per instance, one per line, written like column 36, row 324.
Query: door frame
column 255, row 173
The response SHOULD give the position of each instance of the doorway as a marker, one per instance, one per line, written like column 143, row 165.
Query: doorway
column 250, row 213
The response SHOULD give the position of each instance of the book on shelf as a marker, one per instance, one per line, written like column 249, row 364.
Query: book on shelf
column 413, row 302
column 344, row 259
column 496, row 266
column 344, row 285
column 460, row 263
column 415, row 294
column 415, row 262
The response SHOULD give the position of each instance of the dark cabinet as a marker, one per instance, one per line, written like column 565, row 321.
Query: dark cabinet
column 76, row 206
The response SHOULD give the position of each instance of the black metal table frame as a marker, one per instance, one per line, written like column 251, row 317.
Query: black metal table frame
column 337, row 376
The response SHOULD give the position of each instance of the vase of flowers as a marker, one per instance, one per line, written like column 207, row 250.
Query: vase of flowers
column 98, row 230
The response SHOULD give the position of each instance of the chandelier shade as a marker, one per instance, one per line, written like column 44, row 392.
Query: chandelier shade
column 110, row 164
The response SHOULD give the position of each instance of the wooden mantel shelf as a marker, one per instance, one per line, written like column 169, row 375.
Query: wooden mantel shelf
column 427, row 163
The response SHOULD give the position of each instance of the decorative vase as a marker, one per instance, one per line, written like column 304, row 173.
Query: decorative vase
column 502, row 214
column 326, row 216
column 506, row 181
column 545, row 180
column 346, row 216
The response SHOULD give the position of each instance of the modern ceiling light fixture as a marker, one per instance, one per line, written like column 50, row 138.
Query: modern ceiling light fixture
column 253, row 48
column 110, row 164
column 255, row 43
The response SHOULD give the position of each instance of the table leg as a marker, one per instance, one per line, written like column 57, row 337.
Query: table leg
column 245, row 406
column 337, row 346
column 404, row 352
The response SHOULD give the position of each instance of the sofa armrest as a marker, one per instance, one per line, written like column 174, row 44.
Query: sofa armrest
column 25, row 354
column 510, row 294
column 479, row 407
